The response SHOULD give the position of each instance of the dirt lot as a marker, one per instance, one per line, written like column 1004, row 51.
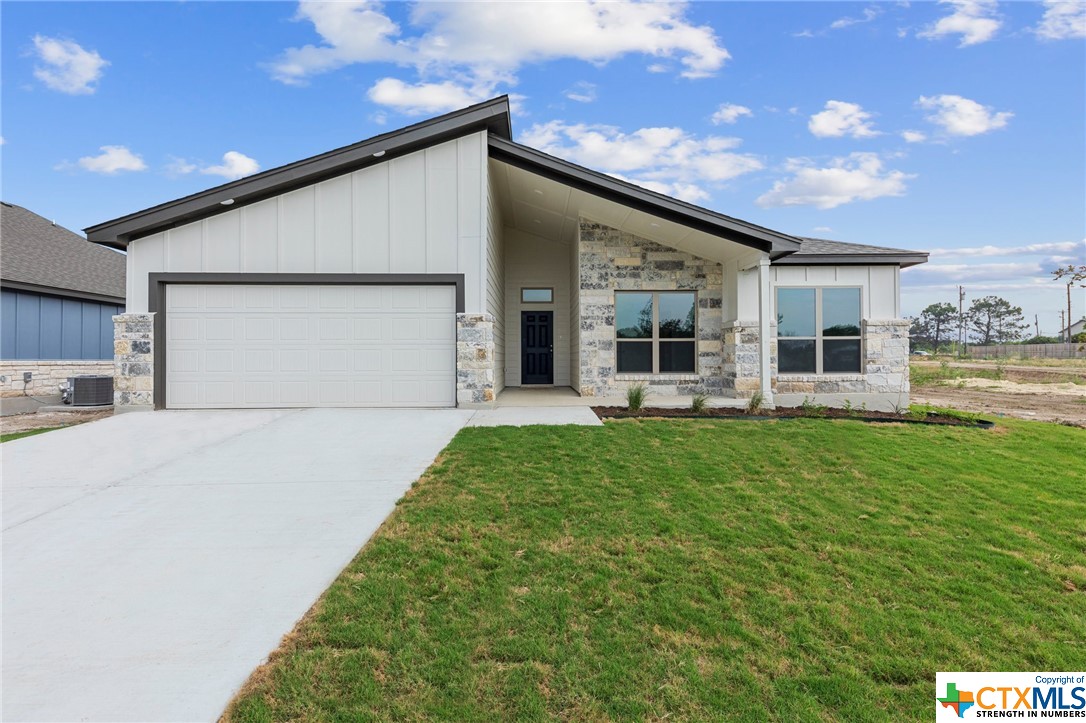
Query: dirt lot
column 1027, row 392
column 26, row 422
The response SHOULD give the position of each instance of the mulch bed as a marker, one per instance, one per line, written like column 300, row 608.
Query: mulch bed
column 785, row 413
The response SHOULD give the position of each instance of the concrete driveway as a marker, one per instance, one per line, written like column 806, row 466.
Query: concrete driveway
column 151, row 561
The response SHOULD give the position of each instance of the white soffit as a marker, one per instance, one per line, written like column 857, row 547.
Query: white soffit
column 547, row 208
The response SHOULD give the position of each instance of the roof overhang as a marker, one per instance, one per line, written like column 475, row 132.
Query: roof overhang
column 904, row 260
column 656, row 204
column 64, row 293
column 491, row 116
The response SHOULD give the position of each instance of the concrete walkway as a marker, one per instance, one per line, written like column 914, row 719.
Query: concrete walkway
column 151, row 561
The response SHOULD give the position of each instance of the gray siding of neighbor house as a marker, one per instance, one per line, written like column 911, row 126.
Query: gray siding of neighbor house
column 37, row 326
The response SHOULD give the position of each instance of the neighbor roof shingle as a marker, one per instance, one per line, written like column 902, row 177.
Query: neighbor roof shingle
column 33, row 250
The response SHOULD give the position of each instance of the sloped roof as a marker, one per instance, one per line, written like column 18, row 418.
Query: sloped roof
column 825, row 251
column 38, row 255
column 491, row 115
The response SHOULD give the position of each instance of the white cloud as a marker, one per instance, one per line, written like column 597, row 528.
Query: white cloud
column 1063, row 20
column 479, row 46
column 857, row 177
column 730, row 113
column 822, row 229
column 179, row 167
column 914, row 136
column 66, row 66
column 667, row 160
column 1057, row 247
column 2, row 141
column 581, row 91
column 931, row 273
column 234, row 165
column 415, row 99
column 841, row 119
column 868, row 15
column 960, row 116
column 976, row 21
column 112, row 159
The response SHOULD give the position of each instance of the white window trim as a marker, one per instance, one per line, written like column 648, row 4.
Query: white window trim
column 655, row 339
column 818, row 338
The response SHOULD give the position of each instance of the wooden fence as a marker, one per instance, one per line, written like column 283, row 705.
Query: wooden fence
column 1028, row 351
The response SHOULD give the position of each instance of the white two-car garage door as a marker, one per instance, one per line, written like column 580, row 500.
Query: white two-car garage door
column 232, row 346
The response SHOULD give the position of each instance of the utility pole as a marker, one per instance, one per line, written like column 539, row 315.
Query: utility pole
column 1062, row 327
column 961, row 321
column 1036, row 326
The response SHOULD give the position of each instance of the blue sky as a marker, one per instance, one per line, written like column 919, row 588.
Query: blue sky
column 954, row 127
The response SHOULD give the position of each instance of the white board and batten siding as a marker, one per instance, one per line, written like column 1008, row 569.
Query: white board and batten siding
column 420, row 213
column 255, row 346
column 880, row 285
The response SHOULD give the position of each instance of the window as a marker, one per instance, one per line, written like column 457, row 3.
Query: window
column 818, row 331
column 536, row 296
column 655, row 332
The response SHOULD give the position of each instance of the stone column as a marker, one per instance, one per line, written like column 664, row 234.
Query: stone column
column 133, row 362
column 742, row 360
column 474, row 360
column 886, row 358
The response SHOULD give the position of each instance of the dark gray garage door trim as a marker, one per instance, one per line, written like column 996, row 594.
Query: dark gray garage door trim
column 156, row 298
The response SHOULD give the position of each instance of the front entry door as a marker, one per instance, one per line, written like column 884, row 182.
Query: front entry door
column 537, row 347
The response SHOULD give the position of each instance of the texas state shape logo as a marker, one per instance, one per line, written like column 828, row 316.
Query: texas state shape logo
column 957, row 700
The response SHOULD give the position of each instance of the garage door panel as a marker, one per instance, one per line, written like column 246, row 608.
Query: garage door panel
column 303, row 346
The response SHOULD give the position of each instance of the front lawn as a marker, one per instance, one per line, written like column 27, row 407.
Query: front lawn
column 700, row 569
column 25, row 433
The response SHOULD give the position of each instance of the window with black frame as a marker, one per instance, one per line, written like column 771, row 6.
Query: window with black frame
column 656, row 332
column 818, row 330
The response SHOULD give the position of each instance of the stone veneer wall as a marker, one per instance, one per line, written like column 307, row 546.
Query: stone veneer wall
column 134, row 361
column 613, row 260
column 885, row 373
column 474, row 359
column 46, row 375
column 742, row 358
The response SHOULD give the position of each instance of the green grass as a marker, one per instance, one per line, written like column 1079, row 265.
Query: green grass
column 27, row 433
column 700, row 569
column 927, row 375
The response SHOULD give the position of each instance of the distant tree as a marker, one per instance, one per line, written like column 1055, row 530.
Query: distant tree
column 1041, row 340
column 993, row 320
column 919, row 334
column 938, row 319
column 1073, row 275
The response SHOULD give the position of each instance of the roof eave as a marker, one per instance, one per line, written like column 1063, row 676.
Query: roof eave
column 613, row 189
column 491, row 116
column 57, row 291
column 904, row 260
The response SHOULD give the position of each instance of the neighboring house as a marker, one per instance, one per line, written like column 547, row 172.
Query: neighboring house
column 1077, row 328
column 439, row 264
column 58, row 296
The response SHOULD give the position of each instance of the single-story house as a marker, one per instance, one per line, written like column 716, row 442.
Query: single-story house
column 1074, row 330
column 439, row 264
column 58, row 297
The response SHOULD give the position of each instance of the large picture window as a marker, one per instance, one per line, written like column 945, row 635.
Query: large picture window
column 818, row 330
column 656, row 332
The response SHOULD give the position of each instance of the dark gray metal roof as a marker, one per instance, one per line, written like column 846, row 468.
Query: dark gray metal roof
column 37, row 255
column 816, row 251
column 628, row 194
column 492, row 116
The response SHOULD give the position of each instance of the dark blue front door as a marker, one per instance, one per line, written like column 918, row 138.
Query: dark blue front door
column 537, row 347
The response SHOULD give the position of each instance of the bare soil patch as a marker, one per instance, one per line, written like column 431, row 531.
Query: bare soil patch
column 993, row 402
column 27, row 422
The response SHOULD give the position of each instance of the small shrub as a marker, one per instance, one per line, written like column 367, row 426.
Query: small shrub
column 698, row 403
column 636, row 396
column 756, row 402
column 944, row 369
column 1001, row 369
column 811, row 408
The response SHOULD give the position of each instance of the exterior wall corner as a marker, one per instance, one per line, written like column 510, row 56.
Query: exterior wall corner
column 134, row 362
